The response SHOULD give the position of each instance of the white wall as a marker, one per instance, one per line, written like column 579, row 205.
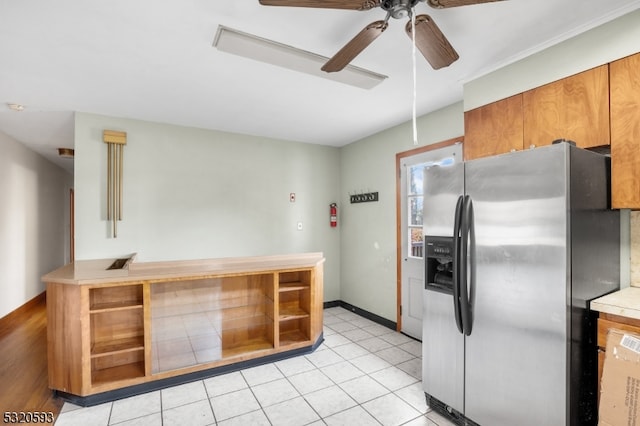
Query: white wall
column 34, row 222
column 368, row 240
column 192, row 193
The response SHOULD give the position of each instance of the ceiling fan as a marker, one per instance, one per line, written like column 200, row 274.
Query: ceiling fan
column 431, row 42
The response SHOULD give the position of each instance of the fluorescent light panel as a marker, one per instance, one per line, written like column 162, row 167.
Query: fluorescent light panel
column 271, row 52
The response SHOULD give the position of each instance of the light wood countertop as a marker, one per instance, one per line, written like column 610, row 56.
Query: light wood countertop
column 625, row 302
column 96, row 272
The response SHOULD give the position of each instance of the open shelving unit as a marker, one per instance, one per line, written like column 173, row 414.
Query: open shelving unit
column 247, row 315
column 294, row 307
column 182, row 318
column 117, row 333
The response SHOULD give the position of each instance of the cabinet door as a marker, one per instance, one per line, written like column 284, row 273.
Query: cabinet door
column 493, row 129
column 574, row 108
column 625, row 132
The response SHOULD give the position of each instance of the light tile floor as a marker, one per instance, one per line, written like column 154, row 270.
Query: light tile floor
column 363, row 374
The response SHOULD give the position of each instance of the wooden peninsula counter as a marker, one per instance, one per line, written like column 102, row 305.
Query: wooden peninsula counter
column 148, row 325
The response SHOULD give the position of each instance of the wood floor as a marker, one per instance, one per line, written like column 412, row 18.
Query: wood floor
column 23, row 360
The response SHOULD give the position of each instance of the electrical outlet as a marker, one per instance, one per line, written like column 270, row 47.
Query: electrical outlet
column 299, row 226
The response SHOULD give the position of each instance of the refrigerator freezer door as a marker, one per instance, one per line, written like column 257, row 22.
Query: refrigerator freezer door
column 442, row 351
column 442, row 344
column 516, row 357
column 442, row 187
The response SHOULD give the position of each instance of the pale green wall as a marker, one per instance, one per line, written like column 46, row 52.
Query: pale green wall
column 368, row 239
column 192, row 193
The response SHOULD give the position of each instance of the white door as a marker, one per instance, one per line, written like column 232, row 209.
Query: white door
column 411, row 208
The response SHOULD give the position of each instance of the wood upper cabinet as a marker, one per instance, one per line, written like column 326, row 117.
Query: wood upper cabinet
column 594, row 108
column 574, row 108
column 493, row 129
column 625, row 132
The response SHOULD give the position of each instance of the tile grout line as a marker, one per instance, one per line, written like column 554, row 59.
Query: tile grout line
column 206, row 391
column 346, row 320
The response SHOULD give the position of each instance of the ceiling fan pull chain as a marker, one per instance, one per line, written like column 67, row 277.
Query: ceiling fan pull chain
column 413, row 54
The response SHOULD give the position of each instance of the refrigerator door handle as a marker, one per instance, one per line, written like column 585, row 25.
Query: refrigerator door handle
column 462, row 264
column 468, row 279
column 456, row 264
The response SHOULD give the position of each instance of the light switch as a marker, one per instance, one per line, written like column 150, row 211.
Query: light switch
column 292, row 197
column 299, row 226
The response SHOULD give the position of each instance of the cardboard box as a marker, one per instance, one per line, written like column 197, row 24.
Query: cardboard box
column 620, row 383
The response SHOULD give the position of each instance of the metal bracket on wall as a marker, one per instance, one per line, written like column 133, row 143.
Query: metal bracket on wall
column 364, row 198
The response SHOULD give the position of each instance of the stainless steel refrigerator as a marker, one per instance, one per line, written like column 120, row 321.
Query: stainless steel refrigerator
column 516, row 246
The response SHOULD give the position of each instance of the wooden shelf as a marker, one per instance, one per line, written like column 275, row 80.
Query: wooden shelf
column 294, row 286
column 252, row 345
column 117, row 346
column 117, row 373
column 292, row 313
column 291, row 337
column 245, row 322
column 114, row 306
column 115, row 298
column 243, row 301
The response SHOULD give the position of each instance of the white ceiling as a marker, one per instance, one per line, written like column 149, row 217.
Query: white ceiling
column 154, row 60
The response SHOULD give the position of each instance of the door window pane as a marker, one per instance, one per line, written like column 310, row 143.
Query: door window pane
column 415, row 206
column 415, row 238
column 415, row 210
column 415, row 180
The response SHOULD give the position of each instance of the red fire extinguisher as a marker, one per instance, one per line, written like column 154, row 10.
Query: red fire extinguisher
column 333, row 211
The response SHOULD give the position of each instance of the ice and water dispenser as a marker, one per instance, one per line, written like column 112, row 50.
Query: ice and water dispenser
column 438, row 264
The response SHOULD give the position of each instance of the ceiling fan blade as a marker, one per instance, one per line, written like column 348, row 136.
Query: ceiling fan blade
column 325, row 4
column 433, row 45
column 357, row 44
column 441, row 4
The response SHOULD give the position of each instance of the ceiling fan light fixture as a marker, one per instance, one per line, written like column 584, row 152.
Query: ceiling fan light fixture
column 271, row 52
column 398, row 9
